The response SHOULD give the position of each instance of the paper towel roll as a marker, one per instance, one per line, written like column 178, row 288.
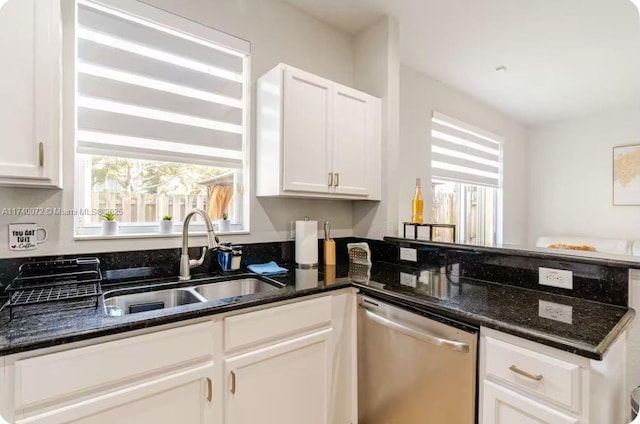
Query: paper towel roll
column 307, row 242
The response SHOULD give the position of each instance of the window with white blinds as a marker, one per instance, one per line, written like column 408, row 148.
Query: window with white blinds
column 154, row 86
column 463, row 153
column 162, row 107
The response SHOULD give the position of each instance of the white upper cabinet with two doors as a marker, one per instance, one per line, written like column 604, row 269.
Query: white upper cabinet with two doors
column 316, row 138
column 30, row 47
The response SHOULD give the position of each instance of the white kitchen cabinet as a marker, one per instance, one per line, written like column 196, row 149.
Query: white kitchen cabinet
column 290, row 363
column 161, row 377
column 180, row 404
column 307, row 132
column 354, row 125
column 505, row 406
column 285, row 383
column 316, row 138
column 30, row 47
column 525, row 382
column 294, row 363
column 554, row 380
column 261, row 327
column 184, row 397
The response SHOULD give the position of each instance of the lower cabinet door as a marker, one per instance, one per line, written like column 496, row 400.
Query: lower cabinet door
column 285, row 383
column 184, row 397
column 504, row 406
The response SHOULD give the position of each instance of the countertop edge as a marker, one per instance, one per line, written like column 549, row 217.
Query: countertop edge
column 616, row 331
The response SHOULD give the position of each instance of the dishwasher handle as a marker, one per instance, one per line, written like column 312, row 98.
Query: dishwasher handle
column 418, row 334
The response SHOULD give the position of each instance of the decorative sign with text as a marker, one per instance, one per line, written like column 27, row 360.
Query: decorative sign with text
column 24, row 236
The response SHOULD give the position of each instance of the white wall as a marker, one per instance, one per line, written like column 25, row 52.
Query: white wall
column 419, row 96
column 570, row 177
column 278, row 33
column 377, row 71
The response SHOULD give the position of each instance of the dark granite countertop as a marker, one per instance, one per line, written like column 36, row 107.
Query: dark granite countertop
column 593, row 329
column 594, row 326
column 52, row 325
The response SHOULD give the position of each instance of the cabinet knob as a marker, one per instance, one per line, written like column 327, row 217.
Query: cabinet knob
column 330, row 179
column 337, row 179
column 41, row 154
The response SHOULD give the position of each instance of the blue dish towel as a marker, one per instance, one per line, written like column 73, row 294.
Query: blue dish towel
column 268, row 268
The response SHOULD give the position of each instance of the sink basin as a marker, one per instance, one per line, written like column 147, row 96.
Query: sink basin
column 117, row 305
column 234, row 288
column 127, row 301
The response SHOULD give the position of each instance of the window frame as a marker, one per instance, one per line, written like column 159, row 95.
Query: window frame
column 461, row 196
column 197, row 32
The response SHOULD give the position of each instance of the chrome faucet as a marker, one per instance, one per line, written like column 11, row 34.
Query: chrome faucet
column 185, row 263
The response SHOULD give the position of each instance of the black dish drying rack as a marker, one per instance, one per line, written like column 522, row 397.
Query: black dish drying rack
column 74, row 282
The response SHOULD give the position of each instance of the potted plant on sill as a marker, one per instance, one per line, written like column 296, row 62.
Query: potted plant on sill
column 224, row 225
column 166, row 224
column 109, row 224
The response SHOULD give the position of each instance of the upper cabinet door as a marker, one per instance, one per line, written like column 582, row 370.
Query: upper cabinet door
column 30, row 45
column 307, row 132
column 353, row 137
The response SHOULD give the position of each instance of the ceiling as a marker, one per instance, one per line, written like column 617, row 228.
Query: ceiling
column 564, row 58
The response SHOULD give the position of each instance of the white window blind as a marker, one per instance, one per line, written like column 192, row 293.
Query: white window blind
column 148, row 89
column 463, row 153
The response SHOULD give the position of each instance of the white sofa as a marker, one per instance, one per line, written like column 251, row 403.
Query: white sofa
column 604, row 245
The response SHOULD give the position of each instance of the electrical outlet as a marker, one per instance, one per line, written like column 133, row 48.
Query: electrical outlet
column 555, row 278
column 555, row 311
column 410, row 280
column 407, row 254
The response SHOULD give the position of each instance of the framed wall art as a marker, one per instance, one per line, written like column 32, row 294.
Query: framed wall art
column 626, row 175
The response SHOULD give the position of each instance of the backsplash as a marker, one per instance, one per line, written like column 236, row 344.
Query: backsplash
column 145, row 264
column 593, row 279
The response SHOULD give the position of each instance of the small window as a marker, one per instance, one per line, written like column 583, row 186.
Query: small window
column 466, row 166
column 162, row 118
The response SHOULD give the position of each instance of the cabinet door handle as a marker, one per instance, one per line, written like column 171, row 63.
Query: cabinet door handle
column 330, row 179
column 209, row 390
column 233, row 383
column 515, row 369
column 337, row 179
column 41, row 154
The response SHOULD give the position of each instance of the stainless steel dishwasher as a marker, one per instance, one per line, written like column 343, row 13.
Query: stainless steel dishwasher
column 413, row 369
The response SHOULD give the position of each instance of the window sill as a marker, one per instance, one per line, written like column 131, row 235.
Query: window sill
column 151, row 235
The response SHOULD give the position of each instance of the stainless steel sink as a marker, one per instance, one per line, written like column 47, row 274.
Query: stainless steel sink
column 128, row 301
column 234, row 288
column 117, row 305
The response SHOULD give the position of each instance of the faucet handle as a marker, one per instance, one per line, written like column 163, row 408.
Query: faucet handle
column 197, row 262
column 214, row 241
